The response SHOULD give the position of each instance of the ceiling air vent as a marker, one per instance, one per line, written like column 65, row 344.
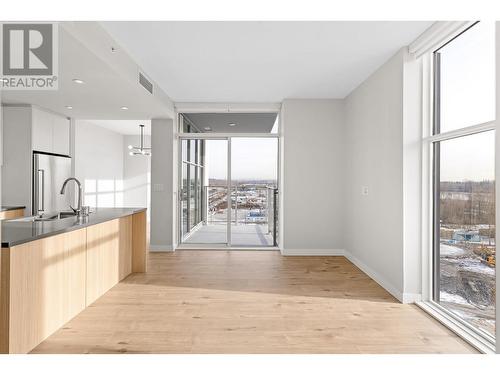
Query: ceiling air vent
column 148, row 85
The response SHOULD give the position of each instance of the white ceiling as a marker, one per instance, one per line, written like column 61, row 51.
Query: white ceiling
column 105, row 91
column 261, row 61
column 126, row 127
column 244, row 122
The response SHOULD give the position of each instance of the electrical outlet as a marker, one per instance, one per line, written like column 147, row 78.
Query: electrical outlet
column 364, row 190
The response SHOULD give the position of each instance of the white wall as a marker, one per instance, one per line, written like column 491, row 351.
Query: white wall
column 136, row 175
column 335, row 151
column 99, row 164
column 412, row 178
column 313, row 176
column 1, row 153
column 374, row 150
column 111, row 177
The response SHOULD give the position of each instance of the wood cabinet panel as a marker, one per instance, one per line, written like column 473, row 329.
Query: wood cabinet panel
column 109, row 255
column 11, row 214
column 139, row 241
column 103, row 242
column 4, row 299
column 125, row 248
column 47, row 287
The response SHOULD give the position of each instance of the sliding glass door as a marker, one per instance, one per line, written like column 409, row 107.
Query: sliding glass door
column 229, row 191
column 204, row 208
column 254, row 184
column 463, row 144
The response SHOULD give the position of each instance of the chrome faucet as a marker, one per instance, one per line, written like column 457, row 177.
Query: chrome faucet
column 78, row 210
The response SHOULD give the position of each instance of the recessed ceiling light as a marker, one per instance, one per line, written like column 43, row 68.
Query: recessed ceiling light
column 232, row 124
column 124, row 108
column 69, row 107
column 207, row 128
column 79, row 81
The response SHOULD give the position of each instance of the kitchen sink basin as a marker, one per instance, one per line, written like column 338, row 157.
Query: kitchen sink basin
column 48, row 217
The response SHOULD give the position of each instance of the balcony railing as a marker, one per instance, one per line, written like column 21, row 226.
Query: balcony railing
column 250, row 205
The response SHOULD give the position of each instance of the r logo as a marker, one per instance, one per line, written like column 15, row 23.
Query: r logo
column 28, row 49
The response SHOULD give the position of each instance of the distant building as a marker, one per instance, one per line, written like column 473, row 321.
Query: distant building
column 256, row 217
column 467, row 235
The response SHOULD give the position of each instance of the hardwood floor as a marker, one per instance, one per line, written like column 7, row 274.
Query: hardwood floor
column 250, row 302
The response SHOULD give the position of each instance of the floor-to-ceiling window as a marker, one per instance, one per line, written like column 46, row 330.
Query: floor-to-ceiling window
column 234, row 161
column 192, row 174
column 463, row 149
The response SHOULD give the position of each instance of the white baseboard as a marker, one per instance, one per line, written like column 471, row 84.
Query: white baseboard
column 376, row 277
column 160, row 248
column 411, row 298
column 313, row 252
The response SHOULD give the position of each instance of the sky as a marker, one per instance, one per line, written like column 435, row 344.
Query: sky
column 469, row 158
column 468, row 98
column 251, row 158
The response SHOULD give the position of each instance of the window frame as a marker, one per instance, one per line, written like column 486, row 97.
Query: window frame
column 180, row 136
column 431, row 138
column 199, row 170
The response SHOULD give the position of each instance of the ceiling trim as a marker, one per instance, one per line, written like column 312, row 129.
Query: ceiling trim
column 227, row 107
column 437, row 34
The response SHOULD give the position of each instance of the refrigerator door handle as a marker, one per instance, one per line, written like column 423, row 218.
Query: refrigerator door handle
column 43, row 189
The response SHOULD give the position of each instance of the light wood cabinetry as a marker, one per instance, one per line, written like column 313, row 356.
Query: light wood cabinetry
column 46, row 288
column 139, row 252
column 125, row 247
column 109, row 255
column 102, row 249
column 45, row 283
column 11, row 214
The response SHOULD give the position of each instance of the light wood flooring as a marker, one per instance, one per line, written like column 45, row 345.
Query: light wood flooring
column 250, row 302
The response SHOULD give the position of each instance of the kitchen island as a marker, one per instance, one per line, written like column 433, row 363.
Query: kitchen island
column 51, row 270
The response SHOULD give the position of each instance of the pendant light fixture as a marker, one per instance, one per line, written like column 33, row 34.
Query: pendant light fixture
column 141, row 150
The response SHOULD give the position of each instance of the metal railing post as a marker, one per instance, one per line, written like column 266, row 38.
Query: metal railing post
column 205, row 199
column 236, row 205
column 275, row 216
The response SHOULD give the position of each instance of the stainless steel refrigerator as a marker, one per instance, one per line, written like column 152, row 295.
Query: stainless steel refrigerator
column 49, row 173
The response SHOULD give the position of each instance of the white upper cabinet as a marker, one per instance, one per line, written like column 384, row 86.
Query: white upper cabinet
column 41, row 133
column 50, row 132
column 60, row 135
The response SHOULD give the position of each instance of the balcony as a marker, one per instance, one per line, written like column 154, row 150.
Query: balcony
column 241, row 235
column 253, row 217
